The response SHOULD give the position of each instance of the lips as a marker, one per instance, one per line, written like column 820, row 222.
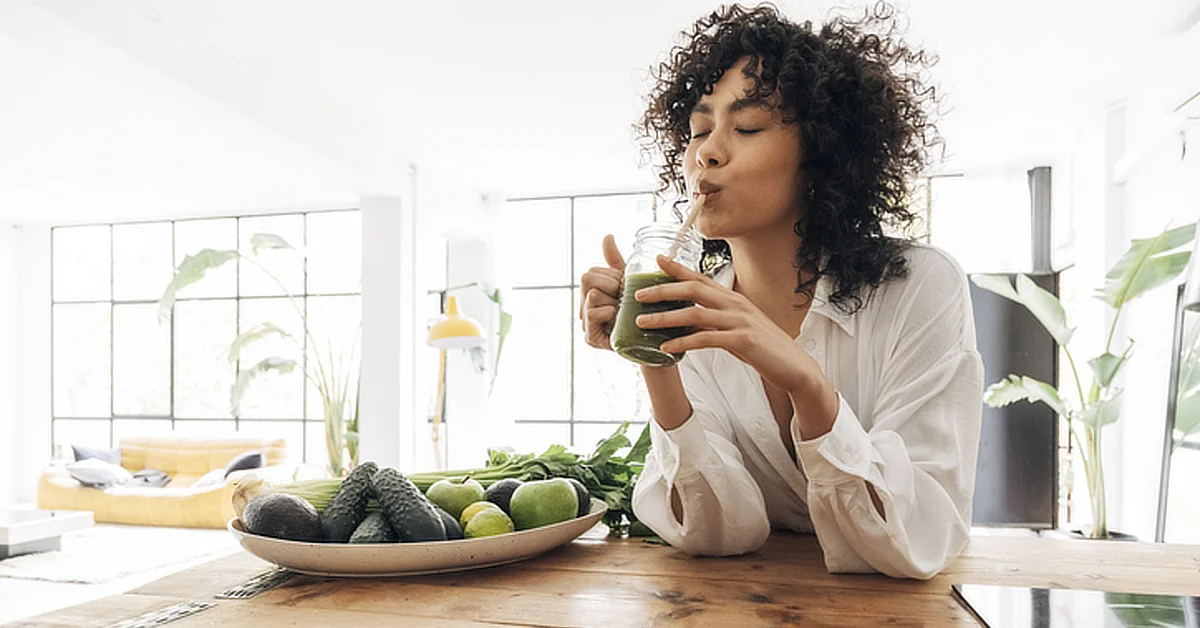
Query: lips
column 707, row 188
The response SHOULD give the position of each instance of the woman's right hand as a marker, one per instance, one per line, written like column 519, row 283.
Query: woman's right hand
column 601, row 290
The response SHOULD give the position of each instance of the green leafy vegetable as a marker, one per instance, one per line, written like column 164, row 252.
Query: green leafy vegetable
column 607, row 475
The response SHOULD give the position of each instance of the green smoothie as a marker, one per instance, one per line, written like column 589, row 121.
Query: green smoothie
column 641, row 345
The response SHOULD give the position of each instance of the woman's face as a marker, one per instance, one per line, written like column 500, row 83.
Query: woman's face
column 745, row 159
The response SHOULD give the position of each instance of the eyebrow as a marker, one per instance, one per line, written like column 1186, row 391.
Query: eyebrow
column 741, row 104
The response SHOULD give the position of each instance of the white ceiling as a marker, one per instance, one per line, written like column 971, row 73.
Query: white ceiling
column 113, row 108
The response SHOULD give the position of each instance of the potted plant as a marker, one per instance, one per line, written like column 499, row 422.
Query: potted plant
column 1187, row 397
column 335, row 376
column 1148, row 263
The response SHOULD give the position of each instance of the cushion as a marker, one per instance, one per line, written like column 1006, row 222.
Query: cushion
column 245, row 460
column 194, row 455
column 112, row 456
column 152, row 478
column 96, row 473
column 216, row 477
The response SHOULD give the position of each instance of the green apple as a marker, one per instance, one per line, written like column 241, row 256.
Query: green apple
column 488, row 522
column 474, row 509
column 454, row 494
column 543, row 503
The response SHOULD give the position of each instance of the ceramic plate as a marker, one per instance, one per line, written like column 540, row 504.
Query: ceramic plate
column 407, row 559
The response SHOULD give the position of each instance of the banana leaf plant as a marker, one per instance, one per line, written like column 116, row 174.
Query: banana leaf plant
column 334, row 375
column 1148, row 263
column 1187, row 399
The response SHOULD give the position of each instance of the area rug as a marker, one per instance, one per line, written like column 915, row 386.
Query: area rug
column 108, row 552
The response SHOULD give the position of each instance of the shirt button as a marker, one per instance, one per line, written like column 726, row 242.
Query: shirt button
column 810, row 344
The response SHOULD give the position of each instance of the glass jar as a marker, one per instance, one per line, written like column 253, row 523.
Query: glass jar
column 642, row 271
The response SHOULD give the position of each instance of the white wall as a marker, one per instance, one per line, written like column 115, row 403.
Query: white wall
column 33, row 356
column 467, row 424
column 1107, row 214
column 9, row 444
column 1164, row 193
column 386, row 314
column 455, row 217
column 998, row 199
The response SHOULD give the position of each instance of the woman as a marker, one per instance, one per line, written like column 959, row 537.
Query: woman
column 831, row 382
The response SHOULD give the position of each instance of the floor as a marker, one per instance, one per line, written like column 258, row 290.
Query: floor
column 27, row 598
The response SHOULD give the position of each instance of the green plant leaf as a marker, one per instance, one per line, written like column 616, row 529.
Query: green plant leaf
column 1158, row 271
column 252, row 335
column 1187, row 413
column 1147, row 264
column 1000, row 284
column 1187, row 404
column 352, row 428
column 191, row 269
column 1106, row 367
column 1021, row 388
column 264, row 366
column 505, row 326
column 268, row 241
column 353, row 425
column 1105, row 411
column 1044, row 306
column 1132, row 609
column 641, row 447
column 497, row 457
column 609, row 446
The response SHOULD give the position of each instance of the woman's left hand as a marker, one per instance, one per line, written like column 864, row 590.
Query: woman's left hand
column 729, row 321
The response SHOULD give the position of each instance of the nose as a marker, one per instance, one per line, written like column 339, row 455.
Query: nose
column 711, row 152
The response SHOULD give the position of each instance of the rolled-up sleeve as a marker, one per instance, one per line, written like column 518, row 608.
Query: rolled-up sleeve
column 919, row 454
column 723, row 509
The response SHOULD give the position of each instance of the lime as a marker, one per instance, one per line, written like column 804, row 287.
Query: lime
column 474, row 509
column 488, row 522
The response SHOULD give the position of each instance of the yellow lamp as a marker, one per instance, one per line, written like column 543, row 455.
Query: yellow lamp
column 455, row 331
column 451, row 331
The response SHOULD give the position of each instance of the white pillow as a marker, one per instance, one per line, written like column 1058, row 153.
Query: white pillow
column 216, row 477
column 96, row 473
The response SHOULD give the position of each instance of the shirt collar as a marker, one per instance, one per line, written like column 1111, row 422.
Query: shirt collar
column 821, row 304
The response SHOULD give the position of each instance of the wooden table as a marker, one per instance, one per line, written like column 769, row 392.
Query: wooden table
column 596, row 581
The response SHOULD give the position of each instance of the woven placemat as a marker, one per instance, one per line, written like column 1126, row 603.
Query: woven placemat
column 264, row 581
column 164, row 615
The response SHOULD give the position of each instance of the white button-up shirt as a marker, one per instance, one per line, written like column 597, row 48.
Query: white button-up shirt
column 910, row 383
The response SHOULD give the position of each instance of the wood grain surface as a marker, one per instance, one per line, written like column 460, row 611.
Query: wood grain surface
column 598, row 581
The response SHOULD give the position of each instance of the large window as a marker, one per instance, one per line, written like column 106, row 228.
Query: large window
column 118, row 370
column 554, row 386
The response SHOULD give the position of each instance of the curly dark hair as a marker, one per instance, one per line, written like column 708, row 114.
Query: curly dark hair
column 858, row 95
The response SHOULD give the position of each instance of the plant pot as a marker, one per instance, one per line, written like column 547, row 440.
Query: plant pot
column 1112, row 536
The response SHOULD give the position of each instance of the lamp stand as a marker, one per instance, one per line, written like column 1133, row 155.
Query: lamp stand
column 439, row 408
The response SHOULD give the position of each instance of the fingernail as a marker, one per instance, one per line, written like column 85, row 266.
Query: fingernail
column 640, row 293
column 644, row 318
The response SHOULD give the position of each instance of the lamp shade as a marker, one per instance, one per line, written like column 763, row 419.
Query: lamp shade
column 455, row 331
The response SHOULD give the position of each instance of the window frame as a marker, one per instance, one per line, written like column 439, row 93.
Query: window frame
column 234, row 421
column 569, row 288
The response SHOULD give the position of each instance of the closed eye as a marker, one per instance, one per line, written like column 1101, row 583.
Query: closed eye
column 748, row 131
column 697, row 136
